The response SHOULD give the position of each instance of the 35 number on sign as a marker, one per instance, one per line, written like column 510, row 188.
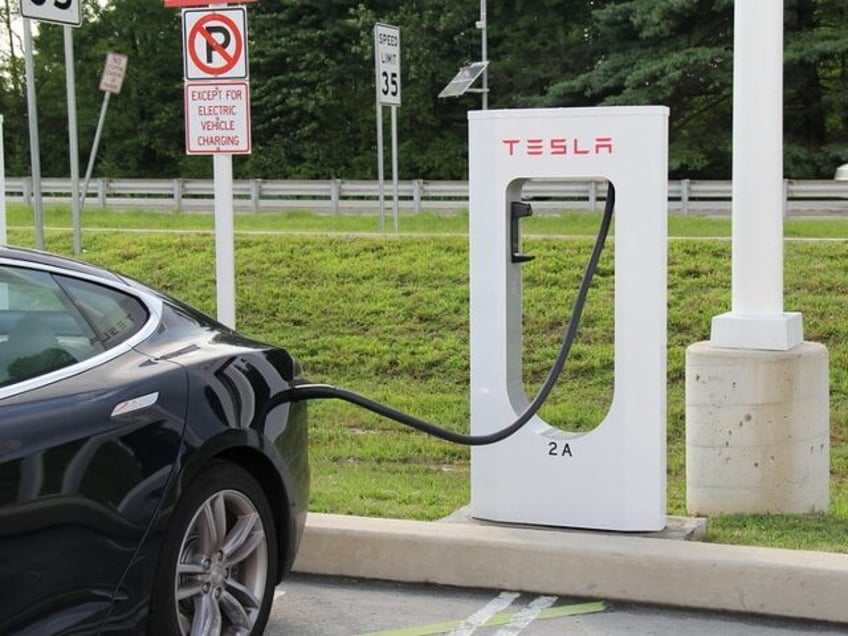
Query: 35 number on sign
column 390, row 85
column 59, row 11
column 59, row 4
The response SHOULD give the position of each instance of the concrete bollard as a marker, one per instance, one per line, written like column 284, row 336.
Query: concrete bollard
column 757, row 430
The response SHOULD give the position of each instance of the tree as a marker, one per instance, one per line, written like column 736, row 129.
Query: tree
column 816, row 93
column 143, row 131
column 311, row 84
column 679, row 53
column 313, row 94
column 664, row 52
column 312, row 77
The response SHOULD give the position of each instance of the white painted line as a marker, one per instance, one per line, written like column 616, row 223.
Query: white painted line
column 278, row 594
column 481, row 617
column 522, row 619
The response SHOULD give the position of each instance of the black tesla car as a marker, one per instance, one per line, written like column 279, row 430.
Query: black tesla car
column 147, row 485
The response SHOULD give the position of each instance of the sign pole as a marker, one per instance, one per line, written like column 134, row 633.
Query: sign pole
column 484, row 26
column 224, row 240
column 3, row 236
column 73, row 137
column 380, row 171
column 387, row 81
column 217, row 119
column 111, row 81
column 93, row 154
column 34, row 149
column 395, row 168
column 379, row 102
column 68, row 13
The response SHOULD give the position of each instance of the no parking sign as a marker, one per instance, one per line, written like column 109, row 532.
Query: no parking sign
column 214, row 43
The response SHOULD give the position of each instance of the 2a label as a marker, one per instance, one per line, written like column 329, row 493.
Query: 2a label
column 559, row 449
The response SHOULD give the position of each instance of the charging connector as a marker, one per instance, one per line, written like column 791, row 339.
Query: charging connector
column 327, row 392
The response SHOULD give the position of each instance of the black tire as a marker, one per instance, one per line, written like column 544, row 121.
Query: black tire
column 222, row 581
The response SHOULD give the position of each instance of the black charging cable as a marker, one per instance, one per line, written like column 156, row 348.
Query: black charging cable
column 327, row 392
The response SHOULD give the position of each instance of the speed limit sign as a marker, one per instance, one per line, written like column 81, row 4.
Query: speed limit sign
column 387, row 54
column 59, row 11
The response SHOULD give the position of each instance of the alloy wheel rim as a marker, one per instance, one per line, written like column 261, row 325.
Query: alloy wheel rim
column 222, row 568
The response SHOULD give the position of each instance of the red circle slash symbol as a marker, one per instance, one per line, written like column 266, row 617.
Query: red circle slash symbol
column 216, row 39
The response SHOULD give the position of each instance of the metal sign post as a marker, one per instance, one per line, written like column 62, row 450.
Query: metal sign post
column 34, row 147
column 73, row 137
column 217, row 119
column 3, row 237
column 111, row 81
column 387, row 71
column 68, row 13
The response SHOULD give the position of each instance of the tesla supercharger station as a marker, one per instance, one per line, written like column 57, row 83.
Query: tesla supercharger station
column 613, row 477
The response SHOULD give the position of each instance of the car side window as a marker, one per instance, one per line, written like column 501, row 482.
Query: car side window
column 113, row 315
column 37, row 329
column 48, row 321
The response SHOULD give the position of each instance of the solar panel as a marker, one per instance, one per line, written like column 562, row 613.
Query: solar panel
column 463, row 80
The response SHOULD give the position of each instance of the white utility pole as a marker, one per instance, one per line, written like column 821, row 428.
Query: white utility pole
column 757, row 319
column 484, row 52
column 757, row 398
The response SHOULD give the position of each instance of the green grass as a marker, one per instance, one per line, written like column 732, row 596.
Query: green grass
column 564, row 223
column 388, row 316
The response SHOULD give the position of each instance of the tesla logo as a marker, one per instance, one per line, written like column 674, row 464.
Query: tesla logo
column 558, row 146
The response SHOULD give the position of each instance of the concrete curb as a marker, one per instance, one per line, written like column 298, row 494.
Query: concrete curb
column 598, row 565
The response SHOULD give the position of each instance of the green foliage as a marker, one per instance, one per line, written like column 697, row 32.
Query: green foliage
column 676, row 53
column 312, row 82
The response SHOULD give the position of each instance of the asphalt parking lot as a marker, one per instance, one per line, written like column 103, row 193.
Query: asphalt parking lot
column 328, row 606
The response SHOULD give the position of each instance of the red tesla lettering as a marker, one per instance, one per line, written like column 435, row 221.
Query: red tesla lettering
column 559, row 146
column 603, row 143
column 534, row 147
column 511, row 143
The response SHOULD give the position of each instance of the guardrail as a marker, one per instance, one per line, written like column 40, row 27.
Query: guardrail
column 336, row 195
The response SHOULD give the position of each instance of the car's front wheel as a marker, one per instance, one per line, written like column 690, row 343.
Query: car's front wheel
column 217, row 567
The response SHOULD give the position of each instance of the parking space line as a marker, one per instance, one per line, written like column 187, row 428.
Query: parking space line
column 481, row 617
column 526, row 616
column 575, row 609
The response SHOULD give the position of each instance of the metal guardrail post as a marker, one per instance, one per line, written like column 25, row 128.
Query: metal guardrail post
column 417, row 188
column 255, row 194
column 27, row 191
column 593, row 195
column 335, row 195
column 786, row 198
column 102, row 186
column 178, row 194
column 684, row 196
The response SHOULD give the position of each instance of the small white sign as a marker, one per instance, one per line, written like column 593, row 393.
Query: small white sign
column 387, row 59
column 215, row 43
column 59, row 11
column 217, row 118
column 114, row 70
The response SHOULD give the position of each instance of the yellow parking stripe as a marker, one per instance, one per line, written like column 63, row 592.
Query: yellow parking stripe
column 499, row 619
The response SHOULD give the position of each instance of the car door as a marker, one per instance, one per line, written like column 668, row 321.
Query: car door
column 90, row 431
